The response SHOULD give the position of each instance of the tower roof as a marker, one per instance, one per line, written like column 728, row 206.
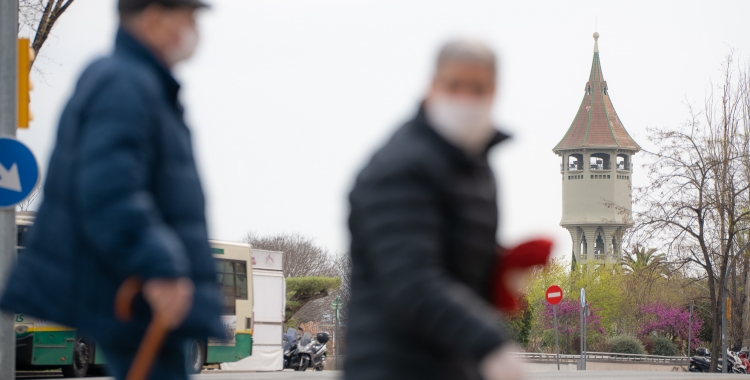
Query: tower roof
column 596, row 124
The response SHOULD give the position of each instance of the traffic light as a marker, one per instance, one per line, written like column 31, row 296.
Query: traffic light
column 25, row 57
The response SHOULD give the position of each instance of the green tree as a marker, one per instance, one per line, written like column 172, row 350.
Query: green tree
column 519, row 324
column 643, row 259
column 603, row 286
column 302, row 290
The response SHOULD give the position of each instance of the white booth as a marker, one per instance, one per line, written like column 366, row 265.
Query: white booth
column 269, row 298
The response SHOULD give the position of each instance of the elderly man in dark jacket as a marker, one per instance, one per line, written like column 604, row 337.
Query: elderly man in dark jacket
column 423, row 224
column 123, row 199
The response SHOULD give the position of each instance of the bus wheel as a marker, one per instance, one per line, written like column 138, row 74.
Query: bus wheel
column 80, row 365
column 196, row 356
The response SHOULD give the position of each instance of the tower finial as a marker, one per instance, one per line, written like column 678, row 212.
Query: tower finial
column 596, row 42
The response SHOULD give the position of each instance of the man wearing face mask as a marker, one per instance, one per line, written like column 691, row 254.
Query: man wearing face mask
column 123, row 200
column 423, row 226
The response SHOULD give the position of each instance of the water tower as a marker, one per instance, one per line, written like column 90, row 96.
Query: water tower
column 596, row 168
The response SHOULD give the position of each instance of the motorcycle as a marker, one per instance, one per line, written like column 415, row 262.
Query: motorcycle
column 743, row 355
column 313, row 352
column 291, row 349
column 735, row 363
column 701, row 362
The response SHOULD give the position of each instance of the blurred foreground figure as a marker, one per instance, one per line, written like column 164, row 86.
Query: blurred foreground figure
column 122, row 199
column 423, row 223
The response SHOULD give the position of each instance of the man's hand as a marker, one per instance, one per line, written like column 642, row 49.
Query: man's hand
column 502, row 365
column 170, row 299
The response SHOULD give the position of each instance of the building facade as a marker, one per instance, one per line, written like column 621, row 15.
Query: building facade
column 596, row 168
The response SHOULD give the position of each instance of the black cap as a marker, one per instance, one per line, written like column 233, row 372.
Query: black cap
column 137, row 5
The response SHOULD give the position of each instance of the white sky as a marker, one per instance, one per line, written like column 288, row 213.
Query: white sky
column 287, row 99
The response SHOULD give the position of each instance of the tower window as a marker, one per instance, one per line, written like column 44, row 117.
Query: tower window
column 575, row 162
column 599, row 161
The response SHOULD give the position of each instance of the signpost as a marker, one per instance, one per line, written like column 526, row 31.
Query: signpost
column 336, row 304
column 19, row 176
column 8, row 124
column 582, row 360
column 690, row 326
column 554, row 295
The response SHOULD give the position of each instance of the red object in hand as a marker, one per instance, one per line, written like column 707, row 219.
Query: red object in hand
column 513, row 262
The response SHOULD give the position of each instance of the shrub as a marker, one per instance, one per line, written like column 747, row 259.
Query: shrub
column 626, row 344
column 663, row 346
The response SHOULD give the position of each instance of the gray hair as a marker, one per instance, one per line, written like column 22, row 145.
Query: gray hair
column 466, row 50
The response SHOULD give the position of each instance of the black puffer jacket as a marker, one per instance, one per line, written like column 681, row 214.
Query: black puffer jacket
column 423, row 223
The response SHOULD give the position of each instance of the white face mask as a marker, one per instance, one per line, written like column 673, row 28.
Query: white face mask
column 184, row 49
column 463, row 122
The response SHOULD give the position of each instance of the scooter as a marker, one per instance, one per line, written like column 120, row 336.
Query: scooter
column 291, row 349
column 313, row 352
column 735, row 363
column 701, row 362
column 743, row 355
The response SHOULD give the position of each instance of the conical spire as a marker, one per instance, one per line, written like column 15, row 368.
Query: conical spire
column 596, row 125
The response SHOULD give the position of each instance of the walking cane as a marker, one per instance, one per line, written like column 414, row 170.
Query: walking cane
column 155, row 333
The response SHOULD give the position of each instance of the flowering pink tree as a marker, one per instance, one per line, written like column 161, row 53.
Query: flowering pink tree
column 569, row 324
column 669, row 321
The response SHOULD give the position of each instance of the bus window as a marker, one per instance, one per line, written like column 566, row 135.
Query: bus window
column 232, row 278
column 241, row 284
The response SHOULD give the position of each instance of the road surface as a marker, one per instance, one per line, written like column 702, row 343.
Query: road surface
column 562, row 375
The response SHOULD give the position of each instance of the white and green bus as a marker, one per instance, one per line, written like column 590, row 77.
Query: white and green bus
column 42, row 345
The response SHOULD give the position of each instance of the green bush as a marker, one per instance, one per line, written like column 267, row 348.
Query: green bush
column 626, row 344
column 663, row 346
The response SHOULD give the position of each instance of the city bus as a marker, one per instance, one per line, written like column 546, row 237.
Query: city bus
column 43, row 345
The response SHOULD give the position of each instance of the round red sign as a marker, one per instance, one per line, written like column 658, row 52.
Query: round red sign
column 554, row 294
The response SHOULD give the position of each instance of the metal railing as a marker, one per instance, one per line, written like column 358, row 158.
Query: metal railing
column 544, row 357
column 599, row 167
column 602, row 357
column 623, row 166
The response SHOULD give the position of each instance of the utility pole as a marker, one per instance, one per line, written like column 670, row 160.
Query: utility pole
column 690, row 326
column 724, row 365
column 8, row 124
column 336, row 306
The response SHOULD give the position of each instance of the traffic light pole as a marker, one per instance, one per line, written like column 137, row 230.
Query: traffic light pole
column 8, row 123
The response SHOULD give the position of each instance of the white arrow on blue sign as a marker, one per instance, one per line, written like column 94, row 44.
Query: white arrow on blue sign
column 583, row 297
column 19, row 172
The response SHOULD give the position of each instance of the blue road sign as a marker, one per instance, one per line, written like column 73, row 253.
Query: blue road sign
column 19, row 172
column 583, row 297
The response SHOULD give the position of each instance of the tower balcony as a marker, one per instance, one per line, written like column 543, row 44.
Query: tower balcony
column 624, row 167
column 600, row 167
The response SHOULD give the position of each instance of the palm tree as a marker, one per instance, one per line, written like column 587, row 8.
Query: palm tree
column 643, row 258
column 645, row 268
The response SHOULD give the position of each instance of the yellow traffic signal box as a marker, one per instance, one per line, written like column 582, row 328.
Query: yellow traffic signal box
column 25, row 57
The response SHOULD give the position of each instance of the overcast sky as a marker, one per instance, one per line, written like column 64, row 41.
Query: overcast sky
column 287, row 99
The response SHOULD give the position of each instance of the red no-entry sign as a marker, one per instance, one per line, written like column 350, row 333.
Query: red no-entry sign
column 554, row 294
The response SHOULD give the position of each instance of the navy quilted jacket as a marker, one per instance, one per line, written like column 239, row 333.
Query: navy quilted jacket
column 122, row 198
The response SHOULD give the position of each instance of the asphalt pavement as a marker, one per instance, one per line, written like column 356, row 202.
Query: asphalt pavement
column 631, row 375
column 546, row 375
